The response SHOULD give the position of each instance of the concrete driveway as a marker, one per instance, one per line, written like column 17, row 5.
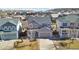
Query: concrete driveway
column 46, row 44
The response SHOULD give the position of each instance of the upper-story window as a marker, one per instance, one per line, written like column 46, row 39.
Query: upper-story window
column 5, row 28
column 78, row 34
column 72, row 25
column 13, row 28
column 78, row 24
column 65, row 33
column 9, row 28
column 64, row 24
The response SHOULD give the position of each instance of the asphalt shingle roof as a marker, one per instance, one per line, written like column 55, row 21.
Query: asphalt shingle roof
column 4, row 20
column 69, row 18
column 39, row 20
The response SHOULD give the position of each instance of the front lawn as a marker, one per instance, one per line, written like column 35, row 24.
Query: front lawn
column 67, row 44
column 27, row 46
column 75, row 45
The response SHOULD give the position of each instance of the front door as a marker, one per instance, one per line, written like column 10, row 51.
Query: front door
column 36, row 34
column 0, row 37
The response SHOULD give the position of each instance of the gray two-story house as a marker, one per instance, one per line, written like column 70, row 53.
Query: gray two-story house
column 68, row 26
column 39, row 26
column 9, row 28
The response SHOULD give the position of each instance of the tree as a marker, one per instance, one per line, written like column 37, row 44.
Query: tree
column 55, row 32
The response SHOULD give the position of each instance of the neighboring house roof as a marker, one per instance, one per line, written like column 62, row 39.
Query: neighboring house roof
column 55, row 15
column 5, row 20
column 8, row 23
column 69, row 18
column 39, row 21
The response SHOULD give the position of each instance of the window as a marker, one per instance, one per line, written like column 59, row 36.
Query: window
column 0, row 28
column 9, row 28
column 78, row 34
column 29, row 33
column 64, row 30
column 72, row 24
column 13, row 27
column 36, row 34
column 0, row 37
column 78, row 24
column 5, row 28
column 64, row 24
column 64, row 33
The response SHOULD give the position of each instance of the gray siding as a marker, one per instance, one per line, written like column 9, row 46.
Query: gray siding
column 8, row 36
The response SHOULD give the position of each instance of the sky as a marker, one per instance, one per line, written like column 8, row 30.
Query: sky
column 39, row 9
column 35, row 9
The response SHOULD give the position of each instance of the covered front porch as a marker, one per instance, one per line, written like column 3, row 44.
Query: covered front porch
column 8, row 35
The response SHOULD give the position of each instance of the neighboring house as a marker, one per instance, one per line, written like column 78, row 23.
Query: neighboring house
column 9, row 28
column 19, row 16
column 39, row 26
column 54, row 15
column 68, row 26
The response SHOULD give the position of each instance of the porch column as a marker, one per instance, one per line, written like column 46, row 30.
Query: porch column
column 31, row 34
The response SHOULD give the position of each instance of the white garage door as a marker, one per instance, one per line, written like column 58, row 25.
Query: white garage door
column 44, row 34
